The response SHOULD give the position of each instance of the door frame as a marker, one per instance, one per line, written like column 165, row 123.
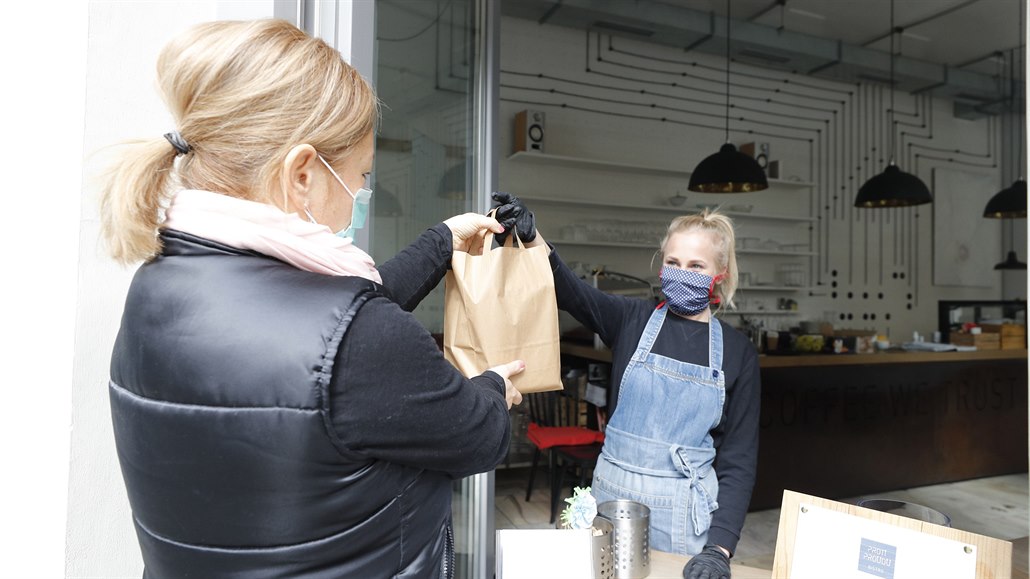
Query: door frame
column 349, row 25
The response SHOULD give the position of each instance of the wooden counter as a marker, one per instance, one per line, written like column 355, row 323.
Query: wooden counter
column 669, row 566
column 888, row 357
column 791, row 361
column 851, row 425
column 839, row 430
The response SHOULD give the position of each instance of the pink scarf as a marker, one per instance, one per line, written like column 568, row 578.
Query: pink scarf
column 267, row 230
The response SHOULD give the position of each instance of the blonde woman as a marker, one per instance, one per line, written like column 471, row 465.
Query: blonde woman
column 277, row 410
column 683, row 400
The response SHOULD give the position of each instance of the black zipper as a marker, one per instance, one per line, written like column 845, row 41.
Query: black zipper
column 447, row 570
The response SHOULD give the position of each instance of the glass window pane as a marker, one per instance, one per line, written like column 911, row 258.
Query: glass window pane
column 425, row 58
column 424, row 66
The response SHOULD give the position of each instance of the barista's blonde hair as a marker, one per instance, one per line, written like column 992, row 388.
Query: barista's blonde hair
column 720, row 230
column 242, row 94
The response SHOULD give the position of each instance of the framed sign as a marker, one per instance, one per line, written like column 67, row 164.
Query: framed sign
column 819, row 538
column 835, row 544
column 965, row 244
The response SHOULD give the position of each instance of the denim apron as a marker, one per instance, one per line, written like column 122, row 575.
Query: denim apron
column 658, row 448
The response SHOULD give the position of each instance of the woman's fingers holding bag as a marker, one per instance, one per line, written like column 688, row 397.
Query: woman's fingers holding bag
column 468, row 229
column 512, row 213
column 506, row 371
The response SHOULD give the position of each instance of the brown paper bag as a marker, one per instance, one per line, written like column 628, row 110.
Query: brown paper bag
column 499, row 307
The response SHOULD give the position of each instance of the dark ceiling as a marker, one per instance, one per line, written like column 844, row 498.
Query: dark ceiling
column 968, row 51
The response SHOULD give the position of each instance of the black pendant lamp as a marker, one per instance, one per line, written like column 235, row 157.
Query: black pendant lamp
column 893, row 187
column 1010, row 203
column 453, row 184
column 729, row 170
column 1011, row 262
column 386, row 204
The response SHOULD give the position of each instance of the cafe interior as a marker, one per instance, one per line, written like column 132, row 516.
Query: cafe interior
column 872, row 155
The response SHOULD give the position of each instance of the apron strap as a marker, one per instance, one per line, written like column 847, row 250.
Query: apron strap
column 700, row 501
column 651, row 330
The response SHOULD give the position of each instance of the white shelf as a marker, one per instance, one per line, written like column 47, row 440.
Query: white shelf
column 654, row 246
column 774, row 252
column 759, row 313
column 771, row 288
column 605, row 244
column 583, row 163
column 665, row 210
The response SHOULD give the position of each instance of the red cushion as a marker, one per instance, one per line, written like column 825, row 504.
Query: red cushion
column 548, row 436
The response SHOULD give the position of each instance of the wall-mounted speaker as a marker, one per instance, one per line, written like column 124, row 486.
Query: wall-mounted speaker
column 529, row 131
column 760, row 151
column 763, row 155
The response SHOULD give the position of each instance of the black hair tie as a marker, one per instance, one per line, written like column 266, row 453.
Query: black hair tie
column 180, row 144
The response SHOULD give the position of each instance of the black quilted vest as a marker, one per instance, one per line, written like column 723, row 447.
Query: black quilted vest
column 220, row 402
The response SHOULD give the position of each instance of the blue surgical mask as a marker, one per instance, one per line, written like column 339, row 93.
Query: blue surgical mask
column 687, row 292
column 359, row 210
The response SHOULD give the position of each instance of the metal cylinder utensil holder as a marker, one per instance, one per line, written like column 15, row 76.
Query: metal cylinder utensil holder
column 601, row 545
column 630, row 541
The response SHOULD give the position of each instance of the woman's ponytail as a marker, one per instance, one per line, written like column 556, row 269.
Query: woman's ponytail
column 132, row 200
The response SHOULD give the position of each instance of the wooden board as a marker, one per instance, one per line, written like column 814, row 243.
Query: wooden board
column 983, row 341
column 994, row 556
column 1004, row 329
column 669, row 566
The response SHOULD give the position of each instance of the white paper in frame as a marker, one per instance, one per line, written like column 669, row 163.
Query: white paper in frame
column 840, row 545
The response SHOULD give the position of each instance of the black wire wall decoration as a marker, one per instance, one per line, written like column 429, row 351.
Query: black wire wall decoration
column 843, row 125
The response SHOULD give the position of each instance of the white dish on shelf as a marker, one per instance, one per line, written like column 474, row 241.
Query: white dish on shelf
column 795, row 247
column 677, row 200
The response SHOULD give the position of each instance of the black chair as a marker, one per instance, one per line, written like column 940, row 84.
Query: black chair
column 573, row 463
column 572, row 449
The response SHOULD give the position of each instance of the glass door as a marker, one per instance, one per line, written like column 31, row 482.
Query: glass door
column 435, row 67
column 434, row 159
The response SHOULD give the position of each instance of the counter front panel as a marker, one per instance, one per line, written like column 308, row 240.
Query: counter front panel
column 853, row 425
column 840, row 431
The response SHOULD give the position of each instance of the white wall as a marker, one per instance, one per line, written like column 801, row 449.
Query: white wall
column 122, row 103
column 40, row 150
column 595, row 114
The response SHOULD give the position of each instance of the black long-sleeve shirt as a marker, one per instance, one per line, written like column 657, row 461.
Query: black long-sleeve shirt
column 620, row 322
column 437, row 419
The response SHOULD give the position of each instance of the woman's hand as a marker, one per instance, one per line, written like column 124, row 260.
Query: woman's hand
column 469, row 229
column 713, row 562
column 512, row 213
column 506, row 371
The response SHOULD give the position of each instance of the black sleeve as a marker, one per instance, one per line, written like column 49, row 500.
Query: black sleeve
column 600, row 312
column 410, row 275
column 395, row 398
column 736, row 457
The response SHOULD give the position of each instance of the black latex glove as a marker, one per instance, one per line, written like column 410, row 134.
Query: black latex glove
column 512, row 213
column 710, row 563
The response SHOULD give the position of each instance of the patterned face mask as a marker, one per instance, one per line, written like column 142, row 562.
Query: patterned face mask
column 687, row 292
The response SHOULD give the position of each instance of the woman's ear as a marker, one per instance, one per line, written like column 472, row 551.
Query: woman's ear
column 298, row 176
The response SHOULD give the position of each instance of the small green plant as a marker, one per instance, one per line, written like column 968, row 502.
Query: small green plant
column 581, row 510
